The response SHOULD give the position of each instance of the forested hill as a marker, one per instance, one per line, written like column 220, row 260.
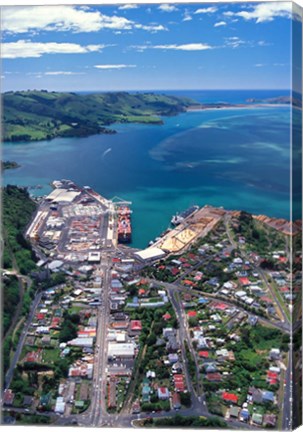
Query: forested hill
column 37, row 115
column 17, row 211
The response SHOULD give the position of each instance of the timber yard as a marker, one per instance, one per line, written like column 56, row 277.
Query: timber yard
column 144, row 334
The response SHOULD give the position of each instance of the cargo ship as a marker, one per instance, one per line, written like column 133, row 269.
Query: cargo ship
column 178, row 218
column 124, row 225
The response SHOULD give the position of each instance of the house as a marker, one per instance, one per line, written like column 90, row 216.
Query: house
column 60, row 405
column 203, row 354
column 269, row 420
column 213, row 377
column 202, row 300
column 201, row 342
column 150, row 374
column 272, row 377
column 27, row 400
column 210, row 367
column 175, row 271
column 172, row 345
column 136, row 326
column 173, row 358
column 268, row 396
column 176, row 401
column 163, row 393
column 254, row 395
column 45, row 399
column 230, row 397
column 179, row 383
column 252, row 320
column 244, row 415
column 136, row 409
column 275, row 354
column 176, row 368
column 244, row 281
column 166, row 316
column 257, row 419
column 168, row 332
column 8, row 397
column 192, row 314
column 234, row 411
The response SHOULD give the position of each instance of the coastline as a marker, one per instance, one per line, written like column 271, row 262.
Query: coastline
column 234, row 107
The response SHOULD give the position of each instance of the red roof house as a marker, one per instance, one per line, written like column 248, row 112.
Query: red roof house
column 192, row 314
column 175, row 271
column 203, row 354
column 166, row 316
column 216, row 376
column 244, row 281
column 135, row 325
column 230, row 397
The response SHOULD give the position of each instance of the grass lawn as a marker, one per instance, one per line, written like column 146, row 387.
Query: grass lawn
column 50, row 355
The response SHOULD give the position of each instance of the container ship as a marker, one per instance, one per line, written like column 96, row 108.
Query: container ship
column 124, row 225
column 179, row 217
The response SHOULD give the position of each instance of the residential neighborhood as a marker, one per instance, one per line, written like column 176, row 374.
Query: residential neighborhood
column 117, row 335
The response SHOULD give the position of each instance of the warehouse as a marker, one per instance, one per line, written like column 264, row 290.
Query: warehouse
column 125, row 350
column 150, row 254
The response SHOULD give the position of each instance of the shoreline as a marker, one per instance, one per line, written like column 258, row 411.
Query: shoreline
column 237, row 106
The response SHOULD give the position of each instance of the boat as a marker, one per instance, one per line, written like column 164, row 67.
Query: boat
column 124, row 225
column 179, row 217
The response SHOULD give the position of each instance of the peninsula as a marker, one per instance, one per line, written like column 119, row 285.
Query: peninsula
column 5, row 165
column 39, row 115
column 36, row 115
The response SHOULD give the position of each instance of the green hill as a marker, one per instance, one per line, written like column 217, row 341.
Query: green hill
column 38, row 115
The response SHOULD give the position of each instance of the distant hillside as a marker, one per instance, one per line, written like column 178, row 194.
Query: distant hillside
column 38, row 115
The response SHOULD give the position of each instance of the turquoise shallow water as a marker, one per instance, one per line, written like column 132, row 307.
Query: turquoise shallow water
column 236, row 158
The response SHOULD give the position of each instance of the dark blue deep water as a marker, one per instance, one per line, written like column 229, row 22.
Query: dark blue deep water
column 235, row 158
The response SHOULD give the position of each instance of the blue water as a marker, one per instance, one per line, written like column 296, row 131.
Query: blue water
column 236, row 158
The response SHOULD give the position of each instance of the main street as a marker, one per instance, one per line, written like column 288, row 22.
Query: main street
column 198, row 402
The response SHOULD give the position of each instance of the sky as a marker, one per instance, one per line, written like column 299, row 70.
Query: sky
column 147, row 47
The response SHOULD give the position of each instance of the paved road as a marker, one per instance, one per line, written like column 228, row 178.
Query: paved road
column 278, row 324
column 10, row 372
column 197, row 397
column 287, row 397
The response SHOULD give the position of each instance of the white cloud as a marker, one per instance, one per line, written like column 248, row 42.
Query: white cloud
column 183, row 47
column 153, row 28
column 63, row 73
column 258, row 65
column 264, row 12
column 228, row 13
column 128, row 6
column 234, row 42
column 26, row 49
column 114, row 66
column 211, row 9
column 220, row 24
column 187, row 16
column 167, row 8
column 64, row 18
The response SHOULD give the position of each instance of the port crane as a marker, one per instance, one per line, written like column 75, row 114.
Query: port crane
column 118, row 202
